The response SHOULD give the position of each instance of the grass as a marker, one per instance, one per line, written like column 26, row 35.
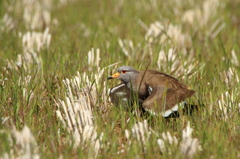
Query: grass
column 202, row 52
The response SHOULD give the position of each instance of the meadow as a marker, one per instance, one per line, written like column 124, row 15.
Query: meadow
column 56, row 55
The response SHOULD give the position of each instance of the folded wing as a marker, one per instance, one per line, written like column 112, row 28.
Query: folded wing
column 164, row 101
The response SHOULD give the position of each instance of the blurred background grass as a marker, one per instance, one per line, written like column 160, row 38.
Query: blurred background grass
column 78, row 26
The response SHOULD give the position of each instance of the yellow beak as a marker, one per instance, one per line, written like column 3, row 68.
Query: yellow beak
column 115, row 75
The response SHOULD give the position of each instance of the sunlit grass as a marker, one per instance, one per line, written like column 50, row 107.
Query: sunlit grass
column 55, row 53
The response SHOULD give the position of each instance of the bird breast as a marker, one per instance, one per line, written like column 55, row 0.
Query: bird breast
column 139, row 88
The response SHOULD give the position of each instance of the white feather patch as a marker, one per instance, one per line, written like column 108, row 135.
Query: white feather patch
column 121, row 93
column 173, row 109
column 168, row 112
column 149, row 90
column 117, row 87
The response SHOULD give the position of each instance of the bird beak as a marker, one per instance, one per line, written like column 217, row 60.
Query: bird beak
column 115, row 75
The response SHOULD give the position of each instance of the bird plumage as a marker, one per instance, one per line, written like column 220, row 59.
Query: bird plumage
column 158, row 91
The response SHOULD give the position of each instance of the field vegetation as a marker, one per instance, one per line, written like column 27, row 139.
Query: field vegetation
column 56, row 55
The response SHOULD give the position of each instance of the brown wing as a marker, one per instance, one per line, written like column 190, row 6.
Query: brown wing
column 163, row 101
column 167, row 92
column 155, row 79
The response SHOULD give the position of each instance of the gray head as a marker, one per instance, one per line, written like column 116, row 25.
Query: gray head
column 125, row 74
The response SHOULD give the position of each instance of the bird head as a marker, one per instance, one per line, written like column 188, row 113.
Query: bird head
column 125, row 74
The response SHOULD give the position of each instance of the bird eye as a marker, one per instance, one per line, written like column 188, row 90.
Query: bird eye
column 124, row 71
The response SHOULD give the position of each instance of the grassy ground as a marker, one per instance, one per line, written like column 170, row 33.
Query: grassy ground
column 194, row 41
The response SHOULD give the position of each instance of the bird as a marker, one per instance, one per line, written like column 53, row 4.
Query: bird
column 157, row 92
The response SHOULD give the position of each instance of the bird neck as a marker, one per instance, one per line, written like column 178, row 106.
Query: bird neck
column 131, row 82
column 138, row 86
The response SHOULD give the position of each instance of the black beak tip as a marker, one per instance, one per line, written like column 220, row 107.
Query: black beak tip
column 110, row 78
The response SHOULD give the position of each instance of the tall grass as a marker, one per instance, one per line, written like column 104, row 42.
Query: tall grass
column 57, row 54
